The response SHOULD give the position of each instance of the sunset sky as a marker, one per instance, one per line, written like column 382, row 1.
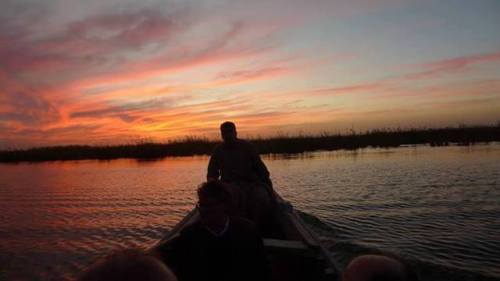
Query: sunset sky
column 117, row 71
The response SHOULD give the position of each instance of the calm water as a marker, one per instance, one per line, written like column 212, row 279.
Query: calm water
column 437, row 207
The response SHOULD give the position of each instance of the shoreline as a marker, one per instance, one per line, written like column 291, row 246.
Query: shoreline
column 461, row 136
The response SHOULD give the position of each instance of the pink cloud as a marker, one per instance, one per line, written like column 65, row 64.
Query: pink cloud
column 369, row 87
column 363, row 87
column 90, row 43
column 78, row 57
column 220, row 48
column 452, row 65
column 238, row 76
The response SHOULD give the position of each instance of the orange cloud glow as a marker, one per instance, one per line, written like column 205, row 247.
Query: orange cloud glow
column 165, row 69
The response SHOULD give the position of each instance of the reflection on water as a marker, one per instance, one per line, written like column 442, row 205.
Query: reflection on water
column 436, row 205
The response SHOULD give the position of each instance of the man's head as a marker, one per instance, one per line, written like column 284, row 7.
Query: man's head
column 228, row 132
column 378, row 268
column 214, row 201
column 128, row 265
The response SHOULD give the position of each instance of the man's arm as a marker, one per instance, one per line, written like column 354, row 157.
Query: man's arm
column 213, row 166
column 261, row 169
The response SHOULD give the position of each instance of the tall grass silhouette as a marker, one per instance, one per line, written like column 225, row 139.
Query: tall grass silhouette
column 461, row 135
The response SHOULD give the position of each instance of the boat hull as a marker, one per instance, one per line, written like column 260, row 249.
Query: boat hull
column 294, row 252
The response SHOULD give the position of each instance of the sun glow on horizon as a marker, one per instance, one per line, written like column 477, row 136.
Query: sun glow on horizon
column 120, row 71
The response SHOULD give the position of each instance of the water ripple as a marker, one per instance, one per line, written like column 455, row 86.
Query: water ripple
column 438, row 207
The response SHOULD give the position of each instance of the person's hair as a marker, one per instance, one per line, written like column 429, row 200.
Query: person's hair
column 228, row 125
column 214, row 189
column 380, row 268
column 409, row 270
column 128, row 265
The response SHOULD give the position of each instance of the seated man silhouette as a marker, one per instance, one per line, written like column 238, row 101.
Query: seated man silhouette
column 218, row 246
column 236, row 162
column 128, row 265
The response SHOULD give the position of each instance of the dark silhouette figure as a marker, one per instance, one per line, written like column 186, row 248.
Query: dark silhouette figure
column 128, row 265
column 236, row 160
column 218, row 246
column 237, row 163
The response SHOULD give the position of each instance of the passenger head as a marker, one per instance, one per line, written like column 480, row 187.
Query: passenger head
column 228, row 132
column 128, row 265
column 214, row 202
column 378, row 268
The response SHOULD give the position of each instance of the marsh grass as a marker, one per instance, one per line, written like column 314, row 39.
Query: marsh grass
column 189, row 146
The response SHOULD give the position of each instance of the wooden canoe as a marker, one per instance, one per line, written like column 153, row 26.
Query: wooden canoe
column 297, row 255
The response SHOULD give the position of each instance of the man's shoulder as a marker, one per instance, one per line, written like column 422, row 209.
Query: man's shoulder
column 240, row 143
column 247, row 145
column 182, row 239
column 192, row 229
column 244, row 142
column 218, row 148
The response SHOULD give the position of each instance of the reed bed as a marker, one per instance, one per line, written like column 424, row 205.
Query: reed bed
column 189, row 146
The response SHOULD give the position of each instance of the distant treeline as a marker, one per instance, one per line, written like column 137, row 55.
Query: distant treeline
column 280, row 144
